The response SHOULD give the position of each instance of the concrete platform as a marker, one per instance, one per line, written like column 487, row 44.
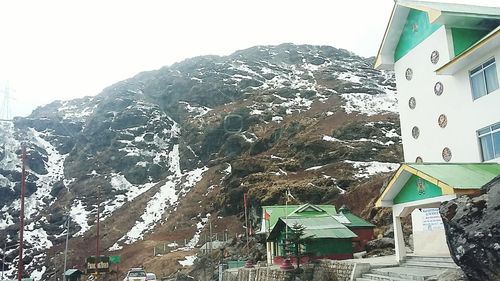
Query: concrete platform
column 375, row 262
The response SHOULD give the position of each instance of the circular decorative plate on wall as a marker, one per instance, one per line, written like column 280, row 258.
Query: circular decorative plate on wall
column 446, row 154
column 412, row 103
column 409, row 74
column 419, row 160
column 434, row 57
column 442, row 121
column 438, row 88
column 415, row 132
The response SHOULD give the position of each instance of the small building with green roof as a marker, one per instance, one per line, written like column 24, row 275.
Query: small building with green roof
column 419, row 188
column 362, row 228
column 334, row 235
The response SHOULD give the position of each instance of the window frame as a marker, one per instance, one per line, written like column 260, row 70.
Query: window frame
column 490, row 131
column 491, row 62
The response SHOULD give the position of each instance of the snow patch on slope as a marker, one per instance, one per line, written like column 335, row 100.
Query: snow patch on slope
column 197, row 111
column 196, row 237
column 167, row 196
column 79, row 215
column 37, row 237
column 188, row 260
column 9, row 145
column 367, row 169
column 119, row 182
column 369, row 104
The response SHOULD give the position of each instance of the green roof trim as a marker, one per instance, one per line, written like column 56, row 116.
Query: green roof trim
column 461, row 176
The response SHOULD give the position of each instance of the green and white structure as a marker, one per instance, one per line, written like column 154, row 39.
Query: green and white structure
column 445, row 58
column 419, row 188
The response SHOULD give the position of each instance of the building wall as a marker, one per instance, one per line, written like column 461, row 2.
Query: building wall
column 464, row 115
column 323, row 247
column 476, row 114
column 365, row 234
column 319, row 246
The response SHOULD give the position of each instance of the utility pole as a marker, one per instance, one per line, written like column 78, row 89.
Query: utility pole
column 97, row 236
column 3, row 257
column 21, row 221
column 66, row 248
column 246, row 217
column 210, row 227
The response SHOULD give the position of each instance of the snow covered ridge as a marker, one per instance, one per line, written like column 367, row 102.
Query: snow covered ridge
column 79, row 109
column 376, row 92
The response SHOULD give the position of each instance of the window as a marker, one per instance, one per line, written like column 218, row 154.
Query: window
column 484, row 79
column 489, row 139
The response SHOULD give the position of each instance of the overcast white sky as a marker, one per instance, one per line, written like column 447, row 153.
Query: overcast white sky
column 64, row 49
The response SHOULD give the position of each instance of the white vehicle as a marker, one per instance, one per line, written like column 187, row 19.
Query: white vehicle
column 150, row 276
column 135, row 274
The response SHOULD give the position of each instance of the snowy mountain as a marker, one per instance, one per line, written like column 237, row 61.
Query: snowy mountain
column 168, row 150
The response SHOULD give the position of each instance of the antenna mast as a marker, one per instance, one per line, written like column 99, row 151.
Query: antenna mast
column 5, row 113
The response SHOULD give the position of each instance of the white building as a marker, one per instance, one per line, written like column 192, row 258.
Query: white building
column 446, row 61
column 445, row 58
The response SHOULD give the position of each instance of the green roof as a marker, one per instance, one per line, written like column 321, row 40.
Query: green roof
column 324, row 226
column 355, row 220
column 461, row 176
column 281, row 211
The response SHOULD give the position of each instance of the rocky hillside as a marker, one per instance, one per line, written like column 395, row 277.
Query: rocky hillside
column 163, row 154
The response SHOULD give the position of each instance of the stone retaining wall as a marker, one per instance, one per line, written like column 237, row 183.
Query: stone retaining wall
column 324, row 270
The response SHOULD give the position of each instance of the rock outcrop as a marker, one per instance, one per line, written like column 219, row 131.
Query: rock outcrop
column 473, row 232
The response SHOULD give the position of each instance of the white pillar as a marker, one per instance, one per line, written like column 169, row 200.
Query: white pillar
column 398, row 237
column 269, row 250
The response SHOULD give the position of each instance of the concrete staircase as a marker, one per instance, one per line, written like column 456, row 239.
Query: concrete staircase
column 414, row 268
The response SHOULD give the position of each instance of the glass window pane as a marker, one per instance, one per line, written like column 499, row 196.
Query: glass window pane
column 489, row 62
column 483, row 131
column 496, row 144
column 477, row 84
column 495, row 127
column 487, row 147
column 491, row 78
column 479, row 68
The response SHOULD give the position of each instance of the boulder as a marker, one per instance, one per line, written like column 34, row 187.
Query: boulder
column 381, row 243
column 473, row 232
